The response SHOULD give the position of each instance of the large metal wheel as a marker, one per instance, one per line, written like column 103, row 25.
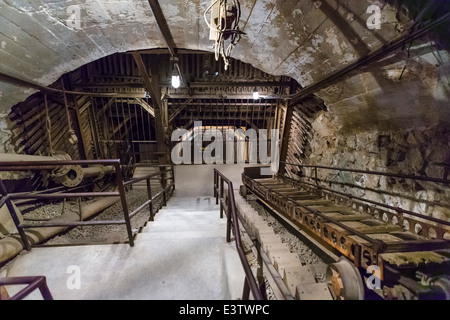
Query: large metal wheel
column 345, row 280
column 442, row 283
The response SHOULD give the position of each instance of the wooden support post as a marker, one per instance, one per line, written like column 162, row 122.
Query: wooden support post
column 285, row 138
column 76, row 120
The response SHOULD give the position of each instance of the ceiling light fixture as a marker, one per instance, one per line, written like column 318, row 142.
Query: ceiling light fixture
column 176, row 78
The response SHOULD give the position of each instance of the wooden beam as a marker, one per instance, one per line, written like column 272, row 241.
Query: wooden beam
column 181, row 108
column 146, row 106
column 252, row 125
column 149, row 86
column 285, row 138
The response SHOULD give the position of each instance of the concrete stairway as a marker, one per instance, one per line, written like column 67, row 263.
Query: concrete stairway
column 192, row 236
column 183, row 254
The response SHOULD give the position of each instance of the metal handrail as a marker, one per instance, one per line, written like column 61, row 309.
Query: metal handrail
column 49, row 165
column 33, row 283
column 250, row 281
column 379, row 173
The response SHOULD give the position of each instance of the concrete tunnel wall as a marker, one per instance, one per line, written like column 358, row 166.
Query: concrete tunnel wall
column 302, row 39
column 399, row 97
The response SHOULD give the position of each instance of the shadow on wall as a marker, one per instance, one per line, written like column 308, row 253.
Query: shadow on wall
column 198, row 180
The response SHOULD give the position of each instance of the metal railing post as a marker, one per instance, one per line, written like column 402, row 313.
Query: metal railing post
column 149, row 193
column 221, row 196
column 250, row 284
column 45, row 291
column 164, row 185
column 229, row 217
column 14, row 216
column 214, row 185
column 123, row 200
column 246, row 290
column 172, row 169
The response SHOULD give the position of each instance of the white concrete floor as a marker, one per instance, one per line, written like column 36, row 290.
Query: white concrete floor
column 181, row 255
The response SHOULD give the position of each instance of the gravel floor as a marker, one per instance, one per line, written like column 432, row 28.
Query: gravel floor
column 111, row 233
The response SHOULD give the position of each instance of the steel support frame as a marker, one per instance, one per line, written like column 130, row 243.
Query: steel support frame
column 49, row 165
column 32, row 283
column 227, row 201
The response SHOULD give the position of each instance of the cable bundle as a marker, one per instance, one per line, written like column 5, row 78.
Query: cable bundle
column 226, row 26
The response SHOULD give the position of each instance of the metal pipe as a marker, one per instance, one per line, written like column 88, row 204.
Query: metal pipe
column 13, row 157
column 11, row 246
column 68, row 174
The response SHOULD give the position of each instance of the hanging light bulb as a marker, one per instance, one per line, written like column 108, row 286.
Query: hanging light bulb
column 175, row 78
column 255, row 94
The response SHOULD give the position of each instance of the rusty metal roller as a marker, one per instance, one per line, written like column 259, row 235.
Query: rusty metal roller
column 69, row 176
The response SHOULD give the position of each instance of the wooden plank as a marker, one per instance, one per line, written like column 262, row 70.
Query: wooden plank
column 350, row 217
column 340, row 209
column 385, row 237
column 404, row 259
column 315, row 202
column 308, row 196
column 378, row 229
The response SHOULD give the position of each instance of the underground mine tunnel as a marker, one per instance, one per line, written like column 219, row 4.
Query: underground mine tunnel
column 224, row 149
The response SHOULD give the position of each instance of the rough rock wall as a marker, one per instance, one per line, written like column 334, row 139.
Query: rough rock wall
column 5, row 134
column 423, row 151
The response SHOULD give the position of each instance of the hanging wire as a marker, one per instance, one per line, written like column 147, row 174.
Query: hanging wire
column 227, row 28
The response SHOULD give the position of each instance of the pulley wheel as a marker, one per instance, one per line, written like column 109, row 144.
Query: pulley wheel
column 345, row 279
column 72, row 178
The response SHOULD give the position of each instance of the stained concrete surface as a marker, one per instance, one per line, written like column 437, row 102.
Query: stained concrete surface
column 181, row 255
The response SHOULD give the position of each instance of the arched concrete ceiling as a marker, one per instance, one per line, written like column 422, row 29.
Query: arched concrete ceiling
column 303, row 39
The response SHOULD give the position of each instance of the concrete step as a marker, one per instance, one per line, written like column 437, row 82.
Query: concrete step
column 172, row 235
column 194, row 202
column 190, row 212
column 182, row 226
